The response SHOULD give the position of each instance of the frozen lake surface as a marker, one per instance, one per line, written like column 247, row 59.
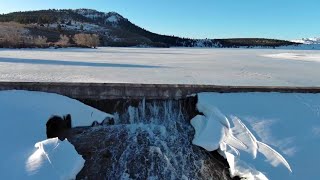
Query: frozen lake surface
column 163, row 66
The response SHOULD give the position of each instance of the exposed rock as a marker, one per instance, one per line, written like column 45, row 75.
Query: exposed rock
column 56, row 126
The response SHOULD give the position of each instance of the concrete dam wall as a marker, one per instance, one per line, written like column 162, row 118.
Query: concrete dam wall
column 98, row 91
column 150, row 135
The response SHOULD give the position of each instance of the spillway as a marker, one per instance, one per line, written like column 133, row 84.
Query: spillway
column 150, row 135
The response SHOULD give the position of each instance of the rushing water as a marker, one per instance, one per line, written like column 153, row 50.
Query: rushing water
column 149, row 141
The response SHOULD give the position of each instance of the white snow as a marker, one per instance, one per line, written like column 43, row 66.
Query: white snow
column 208, row 134
column 159, row 66
column 279, row 131
column 113, row 19
column 203, row 43
column 76, row 25
column 54, row 158
column 315, row 40
column 300, row 56
column 89, row 13
column 26, row 153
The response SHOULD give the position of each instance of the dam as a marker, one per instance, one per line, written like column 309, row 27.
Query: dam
column 152, row 122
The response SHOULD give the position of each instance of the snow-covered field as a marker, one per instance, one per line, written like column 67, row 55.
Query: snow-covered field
column 153, row 65
column 25, row 152
column 271, row 133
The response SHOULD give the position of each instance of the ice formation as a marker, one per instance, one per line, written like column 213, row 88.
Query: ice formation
column 213, row 131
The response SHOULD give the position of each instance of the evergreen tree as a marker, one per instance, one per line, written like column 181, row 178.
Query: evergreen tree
column 69, row 23
column 59, row 28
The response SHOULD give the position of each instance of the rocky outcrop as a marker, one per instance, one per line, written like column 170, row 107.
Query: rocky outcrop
column 56, row 126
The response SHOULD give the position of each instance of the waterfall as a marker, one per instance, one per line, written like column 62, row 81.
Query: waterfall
column 150, row 139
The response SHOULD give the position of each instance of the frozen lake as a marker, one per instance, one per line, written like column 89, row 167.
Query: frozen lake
column 163, row 66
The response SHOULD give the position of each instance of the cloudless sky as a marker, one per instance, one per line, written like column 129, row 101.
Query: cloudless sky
column 284, row 19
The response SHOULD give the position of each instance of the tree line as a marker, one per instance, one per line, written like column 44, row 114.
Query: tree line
column 43, row 16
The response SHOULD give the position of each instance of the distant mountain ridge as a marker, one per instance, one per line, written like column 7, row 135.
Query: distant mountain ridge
column 115, row 30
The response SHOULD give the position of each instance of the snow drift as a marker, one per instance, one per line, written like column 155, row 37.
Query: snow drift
column 25, row 152
column 273, row 128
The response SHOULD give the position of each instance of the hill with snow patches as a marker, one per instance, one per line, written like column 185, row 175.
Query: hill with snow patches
column 117, row 31
column 314, row 40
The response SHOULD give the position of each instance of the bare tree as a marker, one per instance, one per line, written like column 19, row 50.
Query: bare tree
column 95, row 40
column 40, row 41
column 15, row 35
column 11, row 34
column 64, row 41
column 12, row 38
column 88, row 40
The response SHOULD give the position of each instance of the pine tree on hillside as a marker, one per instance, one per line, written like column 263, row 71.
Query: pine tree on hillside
column 59, row 28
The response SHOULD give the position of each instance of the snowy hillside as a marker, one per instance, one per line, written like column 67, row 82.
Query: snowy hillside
column 262, row 135
column 308, row 40
column 117, row 31
column 26, row 153
column 90, row 13
column 110, row 17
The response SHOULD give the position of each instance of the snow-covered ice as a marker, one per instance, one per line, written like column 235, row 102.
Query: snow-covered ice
column 162, row 66
column 299, row 56
column 279, row 131
column 26, row 153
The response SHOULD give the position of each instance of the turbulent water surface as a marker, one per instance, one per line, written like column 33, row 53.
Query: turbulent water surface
column 150, row 141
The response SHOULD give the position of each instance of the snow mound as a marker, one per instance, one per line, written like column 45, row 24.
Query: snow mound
column 26, row 154
column 213, row 131
column 54, row 157
column 208, row 134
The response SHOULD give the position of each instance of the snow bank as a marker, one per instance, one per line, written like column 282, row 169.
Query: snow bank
column 275, row 129
column 53, row 159
column 300, row 56
column 25, row 152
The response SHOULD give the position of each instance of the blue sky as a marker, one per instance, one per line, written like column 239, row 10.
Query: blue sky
column 284, row 19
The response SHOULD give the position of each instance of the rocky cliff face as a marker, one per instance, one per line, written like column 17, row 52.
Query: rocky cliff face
column 148, row 139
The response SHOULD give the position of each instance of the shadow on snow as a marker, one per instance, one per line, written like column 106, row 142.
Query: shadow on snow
column 73, row 63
